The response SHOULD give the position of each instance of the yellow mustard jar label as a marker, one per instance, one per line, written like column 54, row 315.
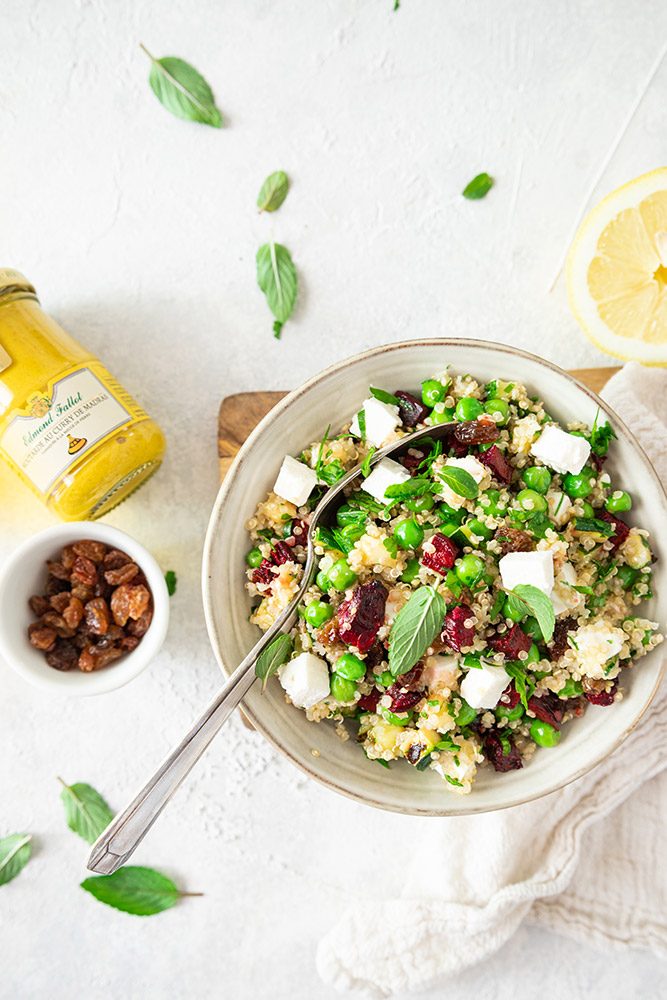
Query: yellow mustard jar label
column 5, row 360
column 58, row 426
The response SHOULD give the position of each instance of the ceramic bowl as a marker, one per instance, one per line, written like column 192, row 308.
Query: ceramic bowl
column 24, row 574
column 332, row 397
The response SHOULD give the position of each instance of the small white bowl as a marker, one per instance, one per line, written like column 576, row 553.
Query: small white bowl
column 24, row 574
column 331, row 397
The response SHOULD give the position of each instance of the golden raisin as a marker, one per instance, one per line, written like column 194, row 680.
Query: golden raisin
column 42, row 637
column 73, row 613
column 84, row 570
column 123, row 574
column 128, row 601
column 90, row 549
column 97, row 616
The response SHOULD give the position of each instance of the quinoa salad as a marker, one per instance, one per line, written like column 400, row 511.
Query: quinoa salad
column 475, row 593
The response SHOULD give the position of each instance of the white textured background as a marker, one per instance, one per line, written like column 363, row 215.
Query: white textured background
column 140, row 232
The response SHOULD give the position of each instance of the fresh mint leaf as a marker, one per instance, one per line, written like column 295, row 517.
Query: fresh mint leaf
column 273, row 657
column 366, row 464
column 182, row 90
column 415, row 627
column 14, row 854
column 459, row 482
column 141, row 891
column 478, row 187
column 273, row 192
column 524, row 688
column 601, row 436
column 361, row 420
column 170, row 580
column 86, row 812
column 539, row 605
column 391, row 545
column 276, row 276
column 364, row 501
column 332, row 472
column 595, row 525
column 538, row 524
column 415, row 487
column 384, row 397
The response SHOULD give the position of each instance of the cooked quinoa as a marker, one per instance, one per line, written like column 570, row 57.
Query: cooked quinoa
column 508, row 507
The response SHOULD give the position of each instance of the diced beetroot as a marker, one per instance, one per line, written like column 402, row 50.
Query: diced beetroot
column 597, row 461
column 548, row 708
column 264, row 572
column 497, row 462
column 369, row 702
column 509, row 697
column 299, row 532
column 621, row 529
column 410, row 679
column 281, row 553
column 511, row 643
column 401, row 701
column 559, row 643
column 457, row 448
column 455, row 633
column 602, row 697
column 411, row 461
column 477, row 431
column 442, row 559
column 503, row 757
column 412, row 411
column 360, row 618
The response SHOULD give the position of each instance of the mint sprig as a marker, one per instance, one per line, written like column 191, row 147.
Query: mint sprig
column 538, row 605
column 415, row 627
column 459, row 482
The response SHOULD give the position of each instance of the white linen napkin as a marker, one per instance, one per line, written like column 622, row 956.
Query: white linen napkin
column 476, row 878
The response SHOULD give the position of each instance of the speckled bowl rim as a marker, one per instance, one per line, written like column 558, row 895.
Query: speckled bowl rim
column 245, row 454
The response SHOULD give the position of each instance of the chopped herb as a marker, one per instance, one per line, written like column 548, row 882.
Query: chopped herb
column 478, row 187
column 366, row 464
column 332, row 472
column 454, row 781
column 391, row 545
column 538, row 524
column 604, row 571
column 433, row 702
column 497, row 606
column 506, row 745
column 361, row 420
column 447, row 743
column 594, row 524
column 524, row 687
column 320, row 453
column 384, row 397
column 601, row 436
column 364, row 501
column 435, row 452
column 582, row 590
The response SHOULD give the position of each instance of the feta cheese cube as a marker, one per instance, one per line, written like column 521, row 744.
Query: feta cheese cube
column 381, row 420
column 295, row 481
column 441, row 671
column 595, row 645
column 533, row 568
column 564, row 597
column 305, row 679
column 561, row 451
column 386, row 473
column 471, row 465
column 560, row 506
column 482, row 687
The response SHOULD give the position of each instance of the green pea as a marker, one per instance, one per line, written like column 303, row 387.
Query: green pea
column 498, row 408
column 317, row 613
column 537, row 478
column 322, row 580
column 420, row 504
column 350, row 666
column 341, row 575
column 491, row 504
column 532, row 501
column 534, row 656
column 443, row 417
column 342, row 689
column 254, row 557
column 544, row 734
column 411, row 571
column 579, row 485
column 511, row 714
column 409, row 534
column 588, row 509
column 433, row 391
column 468, row 408
column 465, row 714
column 619, row 502
column 450, row 514
column 479, row 528
column 531, row 628
column 387, row 678
column 571, row 689
column 348, row 515
column 627, row 575
column 469, row 569
column 512, row 612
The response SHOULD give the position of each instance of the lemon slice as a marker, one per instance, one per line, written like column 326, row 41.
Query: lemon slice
column 617, row 271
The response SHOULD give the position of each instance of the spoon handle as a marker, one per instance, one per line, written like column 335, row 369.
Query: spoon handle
column 126, row 831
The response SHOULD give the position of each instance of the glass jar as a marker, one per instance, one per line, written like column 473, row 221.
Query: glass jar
column 67, row 427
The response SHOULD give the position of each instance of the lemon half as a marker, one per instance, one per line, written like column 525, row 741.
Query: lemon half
column 617, row 271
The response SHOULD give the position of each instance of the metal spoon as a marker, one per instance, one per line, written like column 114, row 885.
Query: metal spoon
column 126, row 831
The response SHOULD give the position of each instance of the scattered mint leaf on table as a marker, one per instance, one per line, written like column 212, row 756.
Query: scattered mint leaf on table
column 182, row 90
column 86, row 811
column 14, row 854
column 276, row 276
column 273, row 657
column 141, row 891
column 478, row 187
column 415, row 627
column 170, row 580
column 273, row 192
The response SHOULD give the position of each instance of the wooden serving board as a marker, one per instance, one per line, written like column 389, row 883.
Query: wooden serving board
column 239, row 415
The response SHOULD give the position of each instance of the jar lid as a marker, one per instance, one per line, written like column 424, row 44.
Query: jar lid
column 13, row 281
